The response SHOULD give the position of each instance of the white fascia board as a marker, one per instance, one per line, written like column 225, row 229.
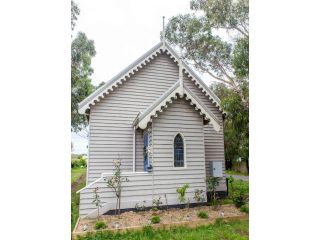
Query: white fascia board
column 166, row 98
column 203, row 109
column 196, row 78
column 158, row 104
column 138, row 64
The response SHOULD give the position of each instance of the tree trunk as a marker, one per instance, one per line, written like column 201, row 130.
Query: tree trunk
column 116, row 210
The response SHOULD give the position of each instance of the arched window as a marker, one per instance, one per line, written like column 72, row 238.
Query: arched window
column 178, row 145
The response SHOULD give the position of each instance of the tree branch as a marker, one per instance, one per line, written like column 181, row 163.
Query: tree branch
column 210, row 73
column 224, row 72
column 243, row 33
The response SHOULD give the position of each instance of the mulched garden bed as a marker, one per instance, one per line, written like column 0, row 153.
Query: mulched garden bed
column 173, row 216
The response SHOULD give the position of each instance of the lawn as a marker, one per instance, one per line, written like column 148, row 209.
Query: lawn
column 76, row 173
column 222, row 229
column 78, row 181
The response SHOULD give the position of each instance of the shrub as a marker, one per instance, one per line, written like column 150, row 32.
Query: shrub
column 238, row 198
column 199, row 195
column 182, row 192
column 140, row 208
column 156, row 203
column 203, row 214
column 244, row 208
column 212, row 183
column 155, row 219
column 239, row 191
column 80, row 162
column 99, row 225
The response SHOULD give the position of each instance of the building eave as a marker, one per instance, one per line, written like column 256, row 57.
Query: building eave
column 134, row 67
column 173, row 93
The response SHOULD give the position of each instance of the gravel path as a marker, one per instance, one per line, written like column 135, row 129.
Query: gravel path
column 245, row 178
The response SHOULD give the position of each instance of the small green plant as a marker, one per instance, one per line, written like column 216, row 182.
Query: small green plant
column 203, row 214
column 99, row 225
column 212, row 183
column 155, row 219
column 199, row 195
column 244, row 208
column 156, row 202
column 182, row 192
column 140, row 208
column 96, row 201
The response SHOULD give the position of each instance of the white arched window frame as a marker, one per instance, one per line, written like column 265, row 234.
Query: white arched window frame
column 184, row 151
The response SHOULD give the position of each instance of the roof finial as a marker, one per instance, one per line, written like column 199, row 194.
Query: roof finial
column 163, row 31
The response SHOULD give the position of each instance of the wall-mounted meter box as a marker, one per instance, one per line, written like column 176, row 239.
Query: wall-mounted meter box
column 216, row 169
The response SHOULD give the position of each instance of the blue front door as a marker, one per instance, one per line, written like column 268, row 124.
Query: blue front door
column 145, row 151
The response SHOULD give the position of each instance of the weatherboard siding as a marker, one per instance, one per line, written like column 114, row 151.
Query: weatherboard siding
column 111, row 133
column 213, row 140
column 179, row 117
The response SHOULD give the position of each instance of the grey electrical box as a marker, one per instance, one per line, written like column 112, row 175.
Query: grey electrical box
column 216, row 169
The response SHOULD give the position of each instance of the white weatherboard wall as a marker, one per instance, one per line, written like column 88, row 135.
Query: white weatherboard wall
column 111, row 134
column 181, row 118
column 213, row 140
column 111, row 119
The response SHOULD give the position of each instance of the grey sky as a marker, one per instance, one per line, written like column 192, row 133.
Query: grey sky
column 122, row 30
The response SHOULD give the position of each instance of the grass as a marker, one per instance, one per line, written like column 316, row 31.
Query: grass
column 76, row 173
column 231, row 230
column 75, row 176
column 233, row 172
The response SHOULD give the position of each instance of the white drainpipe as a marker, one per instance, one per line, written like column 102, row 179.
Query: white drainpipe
column 134, row 150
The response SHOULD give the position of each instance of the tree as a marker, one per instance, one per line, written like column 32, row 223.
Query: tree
column 97, row 201
column 82, row 51
column 225, row 61
column 198, row 37
column 75, row 11
column 236, row 124
column 115, row 183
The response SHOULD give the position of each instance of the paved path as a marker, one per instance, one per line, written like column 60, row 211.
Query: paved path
column 245, row 178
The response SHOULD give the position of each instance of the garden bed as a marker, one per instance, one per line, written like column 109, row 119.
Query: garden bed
column 171, row 217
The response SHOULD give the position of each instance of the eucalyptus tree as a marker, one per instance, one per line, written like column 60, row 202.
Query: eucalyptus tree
column 225, row 59
column 82, row 51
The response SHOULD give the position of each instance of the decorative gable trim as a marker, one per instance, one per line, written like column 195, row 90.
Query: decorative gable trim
column 167, row 98
column 128, row 72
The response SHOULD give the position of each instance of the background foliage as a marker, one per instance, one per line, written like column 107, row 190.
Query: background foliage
column 82, row 51
column 226, row 61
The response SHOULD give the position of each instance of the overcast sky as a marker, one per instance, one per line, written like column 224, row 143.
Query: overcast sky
column 122, row 31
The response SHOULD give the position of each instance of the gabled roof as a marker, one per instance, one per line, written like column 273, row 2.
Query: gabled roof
column 129, row 71
column 183, row 91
